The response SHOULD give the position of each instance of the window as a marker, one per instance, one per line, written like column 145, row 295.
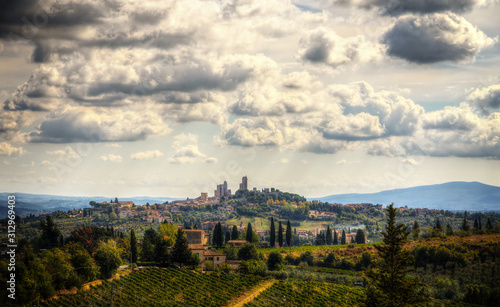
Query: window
column 217, row 258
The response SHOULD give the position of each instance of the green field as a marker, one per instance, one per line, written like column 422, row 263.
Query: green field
column 309, row 293
column 162, row 287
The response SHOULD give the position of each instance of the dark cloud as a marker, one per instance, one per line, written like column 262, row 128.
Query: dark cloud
column 435, row 38
column 29, row 18
column 486, row 99
column 400, row 7
column 80, row 124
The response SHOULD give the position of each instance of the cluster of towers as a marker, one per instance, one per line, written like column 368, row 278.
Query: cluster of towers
column 223, row 191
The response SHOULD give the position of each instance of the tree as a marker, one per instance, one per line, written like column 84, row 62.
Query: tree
column 320, row 238
column 218, row 235
column 161, row 254
column 335, row 237
column 449, row 230
column 438, row 225
column 249, row 237
column 480, row 225
column 280, row 234
column 84, row 265
column 50, row 233
column 272, row 234
column 181, row 252
column 231, row 252
column 133, row 246
column 248, row 251
column 234, row 233
column 228, row 236
column 476, row 225
column 148, row 245
column 465, row 224
column 107, row 258
column 289, row 234
column 389, row 285
column 275, row 261
column 195, row 260
column 415, row 230
column 328, row 236
column 343, row 240
column 360, row 237
column 489, row 226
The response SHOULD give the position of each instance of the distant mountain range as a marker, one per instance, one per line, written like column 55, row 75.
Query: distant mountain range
column 38, row 203
column 458, row 195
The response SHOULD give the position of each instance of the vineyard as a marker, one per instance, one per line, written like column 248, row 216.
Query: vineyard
column 308, row 293
column 162, row 287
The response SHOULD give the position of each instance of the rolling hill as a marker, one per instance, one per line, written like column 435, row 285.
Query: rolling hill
column 458, row 195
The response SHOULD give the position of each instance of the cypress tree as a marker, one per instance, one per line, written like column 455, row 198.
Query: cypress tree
column 416, row 230
column 280, row 234
column 249, row 237
column 489, row 226
column 480, row 224
column 289, row 234
column 220, row 239
column 388, row 283
column 476, row 226
column 228, row 236
column 272, row 234
column 328, row 236
column 180, row 251
column 335, row 237
column 360, row 237
column 235, row 234
column 438, row 225
column 343, row 240
column 449, row 230
column 133, row 245
column 320, row 238
column 465, row 225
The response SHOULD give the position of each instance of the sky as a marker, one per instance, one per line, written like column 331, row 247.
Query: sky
column 170, row 98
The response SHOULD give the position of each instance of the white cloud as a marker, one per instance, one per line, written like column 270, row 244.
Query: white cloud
column 112, row 158
column 326, row 47
column 284, row 161
column 341, row 162
column 187, row 151
column 6, row 149
column 147, row 155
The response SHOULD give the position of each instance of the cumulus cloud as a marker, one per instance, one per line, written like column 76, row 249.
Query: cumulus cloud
column 454, row 131
column 147, row 155
column 12, row 122
column 324, row 46
column 452, row 118
column 187, row 151
column 78, row 124
column 329, row 119
column 6, row 149
column 112, row 158
column 435, row 38
column 486, row 99
column 401, row 7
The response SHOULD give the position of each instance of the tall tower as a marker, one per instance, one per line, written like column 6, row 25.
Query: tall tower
column 244, row 183
column 225, row 193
